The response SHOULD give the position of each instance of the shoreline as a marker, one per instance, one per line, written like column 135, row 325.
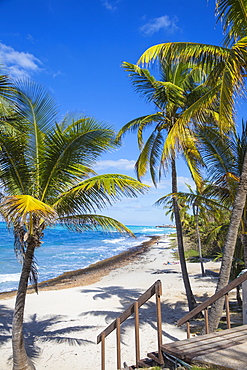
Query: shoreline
column 61, row 325
column 91, row 274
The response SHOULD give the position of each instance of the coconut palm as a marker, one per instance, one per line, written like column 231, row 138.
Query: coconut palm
column 204, row 205
column 182, row 100
column 229, row 69
column 47, row 177
column 224, row 157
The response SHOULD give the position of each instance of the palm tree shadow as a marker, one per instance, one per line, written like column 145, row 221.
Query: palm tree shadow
column 147, row 313
column 6, row 316
column 41, row 330
column 35, row 331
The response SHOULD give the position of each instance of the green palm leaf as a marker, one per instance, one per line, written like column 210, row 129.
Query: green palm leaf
column 70, row 153
column 98, row 192
column 233, row 16
column 84, row 222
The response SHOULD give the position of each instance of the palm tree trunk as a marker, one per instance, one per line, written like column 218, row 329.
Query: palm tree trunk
column 188, row 290
column 229, row 247
column 20, row 358
column 244, row 236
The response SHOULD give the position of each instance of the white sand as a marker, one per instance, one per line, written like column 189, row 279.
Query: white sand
column 62, row 325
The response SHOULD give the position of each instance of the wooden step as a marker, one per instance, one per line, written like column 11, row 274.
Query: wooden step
column 154, row 357
column 146, row 362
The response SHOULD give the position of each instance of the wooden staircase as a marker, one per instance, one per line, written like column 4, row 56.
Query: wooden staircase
column 133, row 309
column 184, row 350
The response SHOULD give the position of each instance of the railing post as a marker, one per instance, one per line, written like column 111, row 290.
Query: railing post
column 188, row 329
column 228, row 320
column 206, row 320
column 103, row 351
column 159, row 319
column 137, row 338
column 118, row 343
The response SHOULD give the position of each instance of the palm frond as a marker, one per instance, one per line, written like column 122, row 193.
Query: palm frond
column 19, row 209
column 70, row 154
column 233, row 16
column 98, row 192
column 140, row 124
column 150, row 156
column 84, row 222
column 14, row 170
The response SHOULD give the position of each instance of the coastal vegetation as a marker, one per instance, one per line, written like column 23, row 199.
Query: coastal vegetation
column 182, row 98
column 47, row 177
column 226, row 70
column 47, row 164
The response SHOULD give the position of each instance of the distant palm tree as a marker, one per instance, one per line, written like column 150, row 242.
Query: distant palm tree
column 182, row 99
column 229, row 63
column 204, row 205
column 47, row 177
column 224, row 157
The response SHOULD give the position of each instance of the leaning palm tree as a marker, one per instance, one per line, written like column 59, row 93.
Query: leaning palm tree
column 182, row 99
column 229, row 66
column 47, row 177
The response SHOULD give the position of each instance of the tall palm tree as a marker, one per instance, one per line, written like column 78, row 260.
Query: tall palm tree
column 47, row 177
column 229, row 67
column 182, row 99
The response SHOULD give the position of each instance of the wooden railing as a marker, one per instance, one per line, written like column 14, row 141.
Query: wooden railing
column 133, row 309
column 208, row 302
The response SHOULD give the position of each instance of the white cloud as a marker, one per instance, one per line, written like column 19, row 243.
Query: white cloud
column 120, row 164
column 182, row 181
column 110, row 5
column 18, row 63
column 160, row 23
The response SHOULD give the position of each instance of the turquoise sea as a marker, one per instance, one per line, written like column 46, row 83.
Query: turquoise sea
column 64, row 250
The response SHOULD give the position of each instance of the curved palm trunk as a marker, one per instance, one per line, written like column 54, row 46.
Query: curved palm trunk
column 229, row 247
column 189, row 294
column 244, row 235
column 20, row 358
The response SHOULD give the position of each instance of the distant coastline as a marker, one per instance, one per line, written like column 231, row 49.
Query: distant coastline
column 167, row 226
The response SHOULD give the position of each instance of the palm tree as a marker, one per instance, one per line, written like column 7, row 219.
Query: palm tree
column 47, row 177
column 204, row 205
column 182, row 99
column 227, row 79
column 224, row 157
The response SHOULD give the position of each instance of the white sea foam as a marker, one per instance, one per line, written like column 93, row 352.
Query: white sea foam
column 9, row 277
column 114, row 241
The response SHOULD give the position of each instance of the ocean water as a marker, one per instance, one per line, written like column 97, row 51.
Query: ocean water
column 63, row 250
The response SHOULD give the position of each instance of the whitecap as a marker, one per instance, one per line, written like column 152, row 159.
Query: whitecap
column 9, row 277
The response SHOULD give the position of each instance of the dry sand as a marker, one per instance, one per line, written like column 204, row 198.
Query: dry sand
column 62, row 322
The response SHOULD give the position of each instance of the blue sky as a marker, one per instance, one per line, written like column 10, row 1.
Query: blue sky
column 75, row 48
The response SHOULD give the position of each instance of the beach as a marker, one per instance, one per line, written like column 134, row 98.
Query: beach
column 62, row 322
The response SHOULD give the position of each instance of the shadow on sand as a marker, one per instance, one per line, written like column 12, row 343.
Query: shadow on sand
column 147, row 313
column 41, row 330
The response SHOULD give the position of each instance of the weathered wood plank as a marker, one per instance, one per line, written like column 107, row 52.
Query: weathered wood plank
column 223, row 333
column 188, row 349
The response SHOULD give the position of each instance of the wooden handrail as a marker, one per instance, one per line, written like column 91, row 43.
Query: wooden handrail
column 156, row 288
column 208, row 302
